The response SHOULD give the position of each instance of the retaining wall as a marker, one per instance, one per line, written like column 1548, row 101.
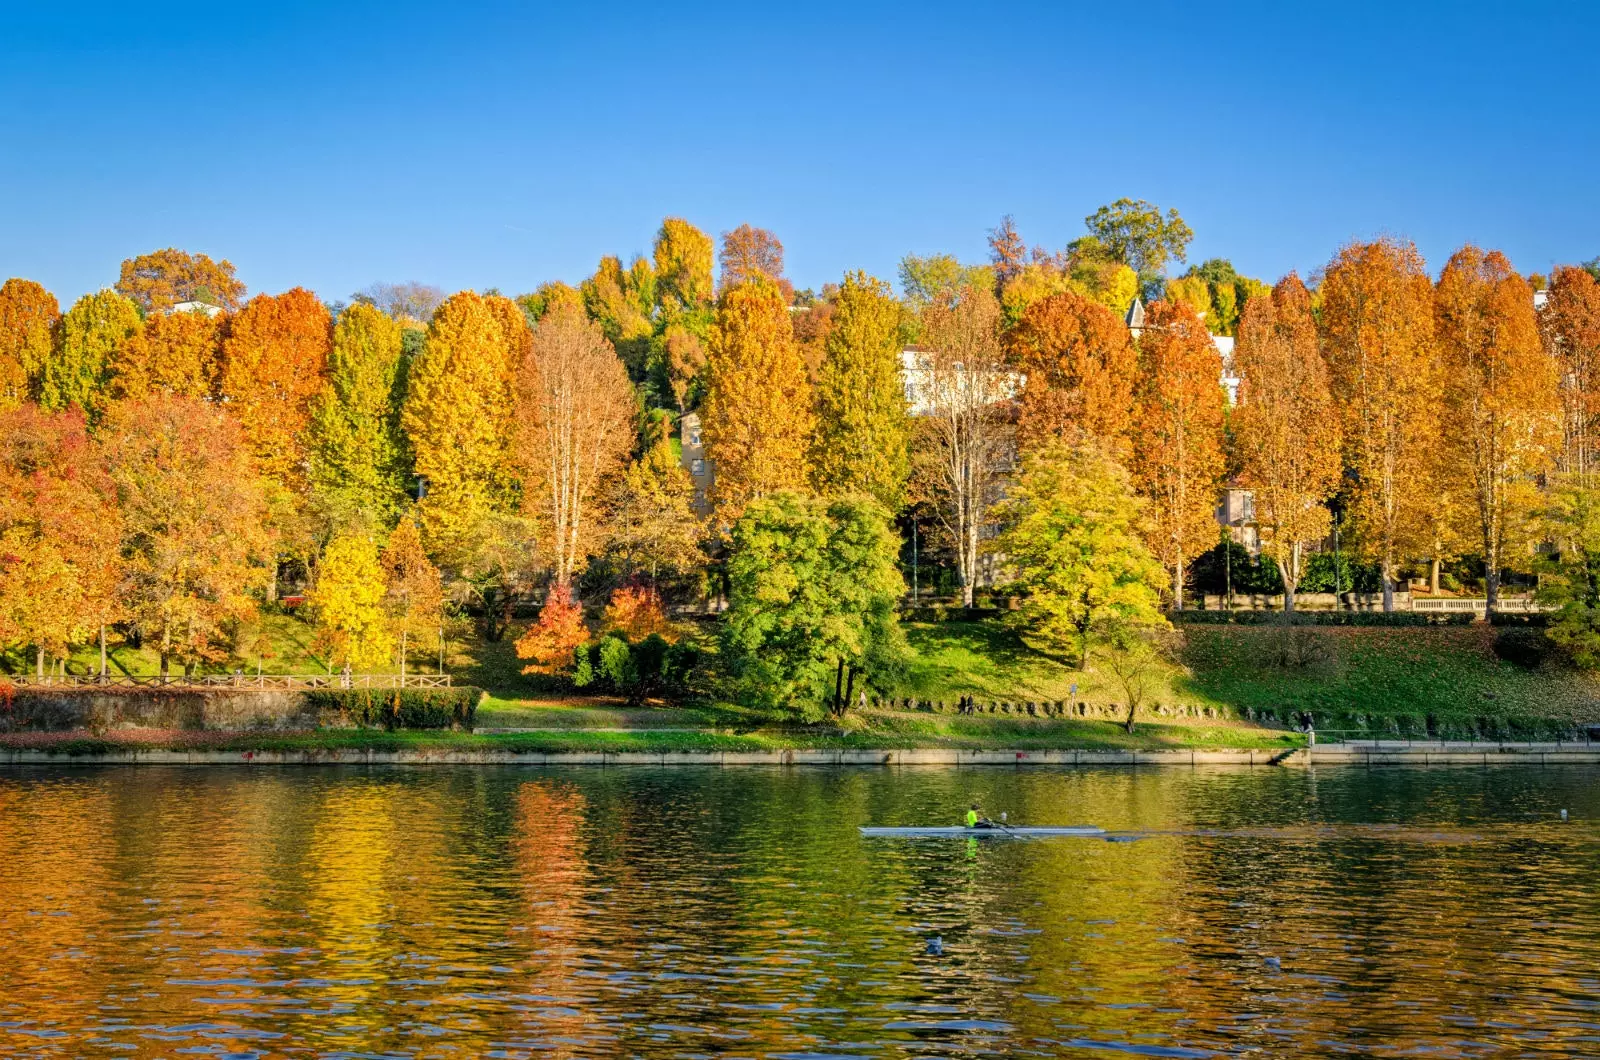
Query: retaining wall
column 100, row 709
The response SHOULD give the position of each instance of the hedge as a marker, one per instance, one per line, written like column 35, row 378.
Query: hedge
column 395, row 708
column 1322, row 618
column 1347, row 725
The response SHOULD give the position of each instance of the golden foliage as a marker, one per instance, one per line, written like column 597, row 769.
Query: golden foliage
column 349, row 598
column 683, row 256
column 86, row 340
column 863, row 429
column 553, row 641
column 175, row 353
column 1569, row 324
column 1080, row 368
column 160, row 280
column 274, row 362
column 28, row 314
column 635, row 612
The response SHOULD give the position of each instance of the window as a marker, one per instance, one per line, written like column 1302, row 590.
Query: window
column 694, row 437
column 697, row 468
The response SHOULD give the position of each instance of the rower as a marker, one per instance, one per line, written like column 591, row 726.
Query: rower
column 975, row 821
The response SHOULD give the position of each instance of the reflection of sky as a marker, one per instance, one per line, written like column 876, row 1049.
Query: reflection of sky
column 456, row 912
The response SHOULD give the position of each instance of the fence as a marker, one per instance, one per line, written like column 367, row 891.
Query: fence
column 1506, row 604
column 241, row 682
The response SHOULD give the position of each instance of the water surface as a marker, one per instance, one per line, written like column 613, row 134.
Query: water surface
column 462, row 912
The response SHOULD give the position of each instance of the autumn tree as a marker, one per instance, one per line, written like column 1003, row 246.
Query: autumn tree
column 1285, row 429
column 174, row 353
column 1137, row 234
column 653, row 527
column 413, row 591
column 456, row 411
column 1008, row 253
column 757, row 412
column 1177, row 436
column 547, row 297
column 59, row 532
column 683, row 258
column 1377, row 338
column 164, row 278
column 409, row 303
column 1501, row 400
column 554, row 642
column 1071, row 539
column 621, row 302
column 86, row 340
column 1569, row 325
column 274, row 364
column 28, row 315
column 348, row 599
column 963, row 437
column 194, row 539
column 925, row 279
column 575, row 413
column 1080, row 366
column 753, row 253
column 863, row 427
column 357, row 450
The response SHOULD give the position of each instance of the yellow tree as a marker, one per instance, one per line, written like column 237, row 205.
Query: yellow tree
column 1377, row 338
column 1285, row 430
column 86, row 340
column 575, row 411
column 28, row 314
column 653, row 524
column 357, row 452
column 164, row 278
column 757, row 413
column 1502, row 404
column 750, row 254
column 455, row 415
column 862, row 419
column 414, row 597
column 1080, row 367
column 175, row 353
column 274, row 363
column 1177, row 438
column 1570, row 327
column 683, row 257
column 349, row 601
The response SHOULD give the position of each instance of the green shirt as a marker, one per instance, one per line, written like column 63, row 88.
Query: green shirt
column 972, row 818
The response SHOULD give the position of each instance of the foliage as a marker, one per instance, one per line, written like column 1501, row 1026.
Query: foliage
column 750, row 254
column 1177, row 451
column 575, row 414
column 28, row 315
column 620, row 302
column 812, row 587
column 640, row 670
column 358, row 458
column 274, row 363
column 554, row 641
column 159, row 280
column 862, row 425
column 1080, row 367
column 758, row 411
column 86, row 339
column 924, row 280
column 1501, row 407
column 635, row 612
column 195, row 541
column 1285, row 431
column 59, row 531
column 414, row 592
column 682, row 256
column 1570, row 579
column 547, row 297
column 1377, row 336
column 1071, row 541
column 349, row 598
column 399, row 708
column 1135, row 232
column 174, row 353
column 410, row 303
column 1569, row 326
column 456, row 415
column 653, row 526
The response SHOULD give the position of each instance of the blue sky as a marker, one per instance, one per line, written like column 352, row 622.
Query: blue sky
column 501, row 145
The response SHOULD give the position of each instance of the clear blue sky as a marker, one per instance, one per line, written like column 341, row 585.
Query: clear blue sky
column 501, row 145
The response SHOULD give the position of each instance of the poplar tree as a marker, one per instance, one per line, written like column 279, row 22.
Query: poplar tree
column 274, row 363
column 28, row 314
column 1569, row 325
column 175, row 353
column 1377, row 326
column 1502, row 406
column 862, row 419
column 358, row 453
column 349, row 597
column 1080, row 367
column 87, row 338
column 758, row 414
column 1177, row 447
column 1285, row 431
column 457, row 405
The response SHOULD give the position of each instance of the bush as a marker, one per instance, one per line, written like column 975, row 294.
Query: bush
column 1523, row 646
column 652, row 668
column 1321, row 618
column 1537, row 619
column 396, row 708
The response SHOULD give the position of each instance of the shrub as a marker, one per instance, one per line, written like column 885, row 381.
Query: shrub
column 1524, row 646
column 653, row 668
column 396, row 708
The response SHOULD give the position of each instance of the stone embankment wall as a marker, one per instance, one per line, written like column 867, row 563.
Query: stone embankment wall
column 106, row 709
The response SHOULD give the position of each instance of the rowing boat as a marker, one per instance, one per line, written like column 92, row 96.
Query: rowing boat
column 998, row 831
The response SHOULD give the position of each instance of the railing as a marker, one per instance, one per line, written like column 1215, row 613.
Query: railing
column 242, row 682
column 1506, row 605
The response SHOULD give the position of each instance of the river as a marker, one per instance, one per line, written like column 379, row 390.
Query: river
column 509, row 913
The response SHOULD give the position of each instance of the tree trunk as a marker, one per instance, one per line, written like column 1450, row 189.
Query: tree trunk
column 1491, row 581
column 102, row 651
column 849, row 691
column 1433, row 576
column 1388, row 585
column 1133, row 706
column 403, row 658
column 40, row 662
column 1177, row 584
column 838, row 686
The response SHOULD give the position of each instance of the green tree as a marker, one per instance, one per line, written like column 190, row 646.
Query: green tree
column 1071, row 538
column 862, row 419
column 86, row 338
column 349, row 600
column 1135, row 233
column 924, row 279
column 358, row 452
column 812, row 586
column 1570, row 574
